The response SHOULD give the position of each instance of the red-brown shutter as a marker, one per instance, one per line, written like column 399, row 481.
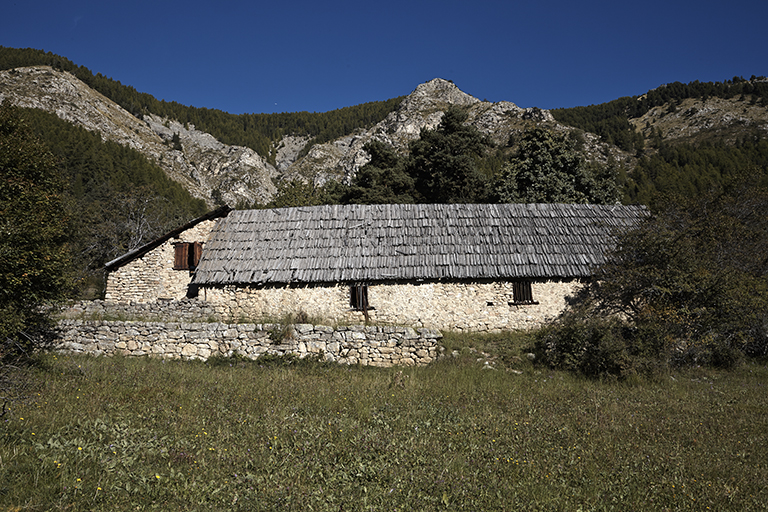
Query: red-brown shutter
column 197, row 251
column 181, row 261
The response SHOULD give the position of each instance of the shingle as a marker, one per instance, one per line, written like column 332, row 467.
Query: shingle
column 384, row 242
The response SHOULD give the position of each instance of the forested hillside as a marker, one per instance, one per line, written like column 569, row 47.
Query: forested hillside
column 116, row 200
column 611, row 120
column 259, row 132
column 687, row 170
column 709, row 154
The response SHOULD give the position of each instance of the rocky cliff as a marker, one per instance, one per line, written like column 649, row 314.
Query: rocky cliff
column 422, row 109
column 203, row 165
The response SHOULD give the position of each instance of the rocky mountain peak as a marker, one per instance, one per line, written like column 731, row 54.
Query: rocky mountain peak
column 437, row 93
column 422, row 109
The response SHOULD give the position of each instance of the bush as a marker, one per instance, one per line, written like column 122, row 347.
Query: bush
column 688, row 286
column 594, row 346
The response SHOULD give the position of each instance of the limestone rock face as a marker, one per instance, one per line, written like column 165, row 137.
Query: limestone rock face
column 287, row 151
column 202, row 166
column 422, row 109
column 237, row 172
column 207, row 168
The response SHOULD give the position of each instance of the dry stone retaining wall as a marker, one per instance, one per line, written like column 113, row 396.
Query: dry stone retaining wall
column 366, row 345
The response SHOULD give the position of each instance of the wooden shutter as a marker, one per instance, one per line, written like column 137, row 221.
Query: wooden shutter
column 181, row 257
column 187, row 255
column 522, row 292
column 197, row 251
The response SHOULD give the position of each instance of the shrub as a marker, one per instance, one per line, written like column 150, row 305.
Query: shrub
column 688, row 286
column 591, row 346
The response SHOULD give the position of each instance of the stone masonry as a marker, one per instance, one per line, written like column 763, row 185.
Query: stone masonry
column 456, row 306
column 151, row 277
column 365, row 345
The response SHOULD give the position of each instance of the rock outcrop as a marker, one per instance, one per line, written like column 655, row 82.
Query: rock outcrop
column 697, row 119
column 202, row 166
column 422, row 109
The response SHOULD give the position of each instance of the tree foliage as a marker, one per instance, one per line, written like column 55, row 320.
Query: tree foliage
column 118, row 199
column 444, row 161
column 548, row 169
column 688, row 286
column 384, row 179
column 33, row 231
column 455, row 163
column 296, row 192
column 691, row 170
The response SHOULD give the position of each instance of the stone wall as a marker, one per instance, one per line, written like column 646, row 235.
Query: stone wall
column 477, row 306
column 151, row 277
column 366, row 345
column 184, row 310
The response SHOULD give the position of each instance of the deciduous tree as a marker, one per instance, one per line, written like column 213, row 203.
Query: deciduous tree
column 383, row 180
column 548, row 169
column 443, row 161
column 689, row 285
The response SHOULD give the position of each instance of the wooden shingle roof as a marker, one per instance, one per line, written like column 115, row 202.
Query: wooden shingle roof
column 349, row 243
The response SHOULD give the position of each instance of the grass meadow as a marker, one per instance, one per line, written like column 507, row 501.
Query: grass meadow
column 99, row 433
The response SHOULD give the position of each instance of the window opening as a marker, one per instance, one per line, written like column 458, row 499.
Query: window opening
column 522, row 293
column 187, row 255
column 358, row 299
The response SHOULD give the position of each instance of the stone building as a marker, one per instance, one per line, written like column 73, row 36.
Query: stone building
column 163, row 268
column 453, row 267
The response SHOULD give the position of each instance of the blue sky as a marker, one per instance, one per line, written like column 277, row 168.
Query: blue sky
column 297, row 55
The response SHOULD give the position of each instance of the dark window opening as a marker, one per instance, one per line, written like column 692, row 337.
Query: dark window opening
column 522, row 293
column 187, row 255
column 358, row 297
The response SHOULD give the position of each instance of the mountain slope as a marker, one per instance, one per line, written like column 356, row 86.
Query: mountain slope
column 703, row 120
column 423, row 109
column 624, row 129
column 199, row 162
column 215, row 171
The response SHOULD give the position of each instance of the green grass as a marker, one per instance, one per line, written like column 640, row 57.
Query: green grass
column 280, row 434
